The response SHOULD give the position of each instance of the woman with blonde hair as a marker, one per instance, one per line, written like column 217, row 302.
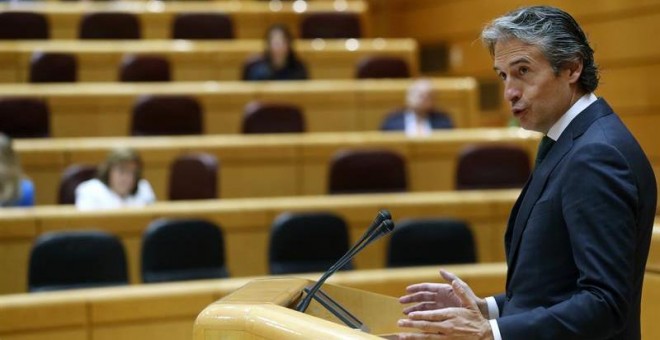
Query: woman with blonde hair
column 16, row 190
column 119, row 183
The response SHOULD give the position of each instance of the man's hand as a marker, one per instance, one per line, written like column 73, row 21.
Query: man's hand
column 464, row 322
column 432, row 296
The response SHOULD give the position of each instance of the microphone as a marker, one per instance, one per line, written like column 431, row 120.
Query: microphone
column 372, row 234
column 382, row 215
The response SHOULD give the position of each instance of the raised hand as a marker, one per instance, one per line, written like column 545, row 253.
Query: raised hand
column 464, row 322
column 432, row 296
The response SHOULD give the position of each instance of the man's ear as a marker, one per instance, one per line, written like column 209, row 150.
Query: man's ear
column 574, row 69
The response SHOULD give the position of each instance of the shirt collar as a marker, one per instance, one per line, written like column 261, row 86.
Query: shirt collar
column 560, row 125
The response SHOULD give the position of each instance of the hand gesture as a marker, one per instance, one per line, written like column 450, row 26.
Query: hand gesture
column 432, row 296
column 464, row 322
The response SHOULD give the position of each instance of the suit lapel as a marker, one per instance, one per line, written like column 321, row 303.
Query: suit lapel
column 535, row 186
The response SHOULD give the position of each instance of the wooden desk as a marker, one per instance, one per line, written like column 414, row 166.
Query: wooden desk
column 246, row 224
column 266, row 166
column 93, row 110
column 168, row 311
column 251, row 19
column 201, row 60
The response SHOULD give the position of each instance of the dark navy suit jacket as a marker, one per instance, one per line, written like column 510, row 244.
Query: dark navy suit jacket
column 397, row 121
column 578, row 236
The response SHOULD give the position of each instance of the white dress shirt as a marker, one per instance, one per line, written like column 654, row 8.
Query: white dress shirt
column 416, row 126
column 554, row 133
column 95, row 195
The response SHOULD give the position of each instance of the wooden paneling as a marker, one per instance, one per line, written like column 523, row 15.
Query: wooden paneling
column 201, row 60
column 178, row 304
column 264, row 166
column 250, row 18
column 246, row 224
column 92, row 110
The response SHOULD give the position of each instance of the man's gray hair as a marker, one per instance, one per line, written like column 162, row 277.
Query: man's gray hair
column 554, row 32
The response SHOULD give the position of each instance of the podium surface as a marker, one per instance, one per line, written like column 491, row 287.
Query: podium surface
column 265, row 309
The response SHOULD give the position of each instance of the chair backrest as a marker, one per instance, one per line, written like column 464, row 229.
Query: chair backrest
column 166, row 115
column 421, row 242
column 382, row 67
column 76, row 259
column 492, row 167
column 260, row 117
column 367, row 171
column 177, row 250
column 72, row 176
column 193, row 177
column 109, row 25
column 331, row 26
column 200, row 26
column 144, row 68
column 23, row 26
column 53, row 67
column 24, row 117
column 306, row 242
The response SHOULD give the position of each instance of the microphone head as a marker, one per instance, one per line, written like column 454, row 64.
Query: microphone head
column 383, row 215
column 386, row 227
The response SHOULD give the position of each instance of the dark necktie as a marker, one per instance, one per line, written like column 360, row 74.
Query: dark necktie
column 544, row 147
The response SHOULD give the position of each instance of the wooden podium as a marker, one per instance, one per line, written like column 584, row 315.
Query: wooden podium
column 264, row 309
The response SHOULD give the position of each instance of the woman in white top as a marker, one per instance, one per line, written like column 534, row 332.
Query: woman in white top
column 119, row 184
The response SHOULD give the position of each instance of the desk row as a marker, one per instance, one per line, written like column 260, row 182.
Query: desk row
column 159, row 20
column 93, row 61
column 278, row 165
column 93, row 110
column 246, row 224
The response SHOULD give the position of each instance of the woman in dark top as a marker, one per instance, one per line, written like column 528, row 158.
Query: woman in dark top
column 279, row 61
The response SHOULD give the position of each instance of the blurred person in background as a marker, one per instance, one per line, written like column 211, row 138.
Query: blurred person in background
column 119, row 183
column 279, row 61
column 420, row 116
column 16, row 190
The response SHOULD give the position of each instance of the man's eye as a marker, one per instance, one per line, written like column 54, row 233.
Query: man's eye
column 523, row 70
column 502, row 75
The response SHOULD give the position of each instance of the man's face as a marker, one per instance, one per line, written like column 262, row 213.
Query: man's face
column 420, row 99
column 537, row 95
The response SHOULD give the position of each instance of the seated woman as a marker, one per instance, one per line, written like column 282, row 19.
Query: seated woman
column 279, row 61
column 119, row 184
column 16, row 190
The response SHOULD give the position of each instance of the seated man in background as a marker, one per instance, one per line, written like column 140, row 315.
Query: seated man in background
column 16, row 190
column 119, row 183
column 420, row 117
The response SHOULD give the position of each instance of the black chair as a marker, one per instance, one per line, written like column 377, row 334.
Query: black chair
column 155, row 115
column 202, row 26
column 367, row 171
column 421, row 242
column 53, row 68
column 262, row 117
column 492, row 167
column 109, row 25
column 382, row 67
column 76, row 259
column 24, row 117
column 178, row 250
column 23, row 26
column 332, row 25
column 307, row 242
column 194, row 177
column 144, row 68
column 73, row 175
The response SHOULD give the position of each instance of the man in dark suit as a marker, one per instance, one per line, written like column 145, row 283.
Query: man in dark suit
column 578, row 236
column 420, row 116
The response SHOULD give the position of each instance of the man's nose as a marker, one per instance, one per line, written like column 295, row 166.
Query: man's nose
column 512, row 92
